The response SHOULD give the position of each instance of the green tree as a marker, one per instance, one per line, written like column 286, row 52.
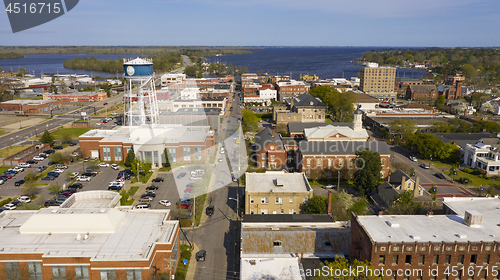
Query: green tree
column 47, row 138
column 166, row 163
column 433, row 190
column 426, row 144
column 30, row 188
column 403, row 127
column 190, row 70
column 441, row 100
column 316, row 205
column 469, row 71
column 56, row 157
column 54, row 188
column 249, row 121
column 440, row 127
column 368, row 176
column 340, row 104
column 22, row 71
column 449, row 152
column 404, row 205
column 343, row 264
column 129, row 160
column 491, row 127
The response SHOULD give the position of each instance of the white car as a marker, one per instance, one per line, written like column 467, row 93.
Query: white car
column 83, row 178
column 2, row 181
column 24, row 199
column 412, row 158
column 103, row 164
column 59, row 171
column 24, row 165
column 328, row 187
column 197, row 172
column 115, row 166
column 37, row 158
column 116, row 183
column 195, row 178
column 17, row 169
column 74, row 174
column 220, row 159
column 9, row 206
column 165, row 202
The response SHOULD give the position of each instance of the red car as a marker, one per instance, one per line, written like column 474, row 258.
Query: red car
column 104, row 121
column 105, row 103
column 6, row 176
column 184, row 205
column 67, row 194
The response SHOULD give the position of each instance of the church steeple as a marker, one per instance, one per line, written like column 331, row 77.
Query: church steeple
column 358, row 119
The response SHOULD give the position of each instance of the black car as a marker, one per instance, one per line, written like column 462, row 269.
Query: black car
column 20, row 182
column 75, row 186
column 32, row 161
column 89, row 174
column 440, row 176
column 158, row 179
column 50, row 151
column 53, row 174
column 149, row 194
column 210, row 210
column 48, row 203
column 48, row 178
column 200, row 256
column 152, row 188
column 58, row 147
column 72, row 144
column 51, row 163
column 114, row 188
column 181, row 175
column 16, row 202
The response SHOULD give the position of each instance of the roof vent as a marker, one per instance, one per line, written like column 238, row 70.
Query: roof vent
column 102, row 210
column 473, row 218
column 275, row 228
column 435, row 236
column 415, row 237
column 279, row 182
column 54, row 211
column 78, row 237
column 86, row 236
column 392, row 224
column 252, row 262
column 461, row 235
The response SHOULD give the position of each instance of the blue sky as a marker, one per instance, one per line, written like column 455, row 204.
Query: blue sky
column 424, row 23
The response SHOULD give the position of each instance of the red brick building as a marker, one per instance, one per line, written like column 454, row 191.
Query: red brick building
column 31, row 106
column 77, row 97
column 269, row 149
column 461, row 244
column 421, row 92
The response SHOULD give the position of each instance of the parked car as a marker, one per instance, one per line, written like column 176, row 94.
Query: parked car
column 20, row 182
column 51, row 163
column 24, row 199
column 412, row 158
column 38, row 158
column 74, row 174
column 44, row 155
column 103, row 164
column 425, row 166
column 53, row 174
column 2, row 180
column 328, row 187
column 51, row 151
column 48, row 178
column 181, row 175
column 58, row 147
column 152, row 194
column 115, row 166
column 439, row 175
column 89, row 174
column 143, row 206
column 6, row 176
column 72, row 144
column 31, row 162
column 210, row 210
column 75, row 186
column 114, row 188
column 61, row 166
column 16, row 169
column 165, row 202
column 152, row 188
column 24, row 165
column 61, row 198
column 63, row 193
column 83, row 178
column 48, row 203
column 195, row 178
column 41, row 168
column 158, row 179
column 146, row 199
column 200, row 255
column 10, row 206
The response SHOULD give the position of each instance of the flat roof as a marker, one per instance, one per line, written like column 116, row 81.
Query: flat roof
column 27, row 102
column 135, row 234
column 277, row 182
column 287, row 218
column 270, row 268
column 438, row 228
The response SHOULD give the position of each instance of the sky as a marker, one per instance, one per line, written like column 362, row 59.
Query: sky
column 396, row 23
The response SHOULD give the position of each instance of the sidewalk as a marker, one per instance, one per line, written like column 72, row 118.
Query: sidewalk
column 142, row 187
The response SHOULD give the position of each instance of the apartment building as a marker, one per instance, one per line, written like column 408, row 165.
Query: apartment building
column 276, row 192
column 289, row 89
column 378, row 81
column 461, row 244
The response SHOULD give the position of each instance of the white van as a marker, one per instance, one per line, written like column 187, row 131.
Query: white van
column 143, row 206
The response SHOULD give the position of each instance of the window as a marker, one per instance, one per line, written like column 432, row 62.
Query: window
column 251, row 200
column 82, row 272
column 279, row 200
column 318, row 162
column 12, row 270
column 282, row 211
column 59, row 272
column 108, row 275
column 107, row 153
column 272, row 158
column 483, row 274
column 408, row 259
column 277, row 243
column 381, row 260
column 187, row 153
column 435, row 259
column 486, row 259
column 460, row 259
column 251, row 211
column 35, row 270
column 197, row 152
column 421, row 260
column 264, row 211
column 171, row 153
column 329, row 162
column 308, row 162
column 292, row 211
column 447, row 259
column 264, row 200
column 395, row 259
column 118, row 153
column 134, row 274
column 473, row 259
column 264, row 156
column 274, row 212
column 291, row 200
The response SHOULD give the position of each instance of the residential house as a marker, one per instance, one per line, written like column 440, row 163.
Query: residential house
column 276, row 192
column 396, row 183
column 302, row 108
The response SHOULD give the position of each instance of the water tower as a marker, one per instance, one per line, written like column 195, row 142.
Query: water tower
column 140, row 104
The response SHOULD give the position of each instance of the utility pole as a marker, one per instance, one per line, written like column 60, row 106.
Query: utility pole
column 170, row 263
column 338, row 183
column 194, row 216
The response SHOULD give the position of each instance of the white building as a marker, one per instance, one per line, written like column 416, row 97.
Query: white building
column 172, row 78
column 485, row 154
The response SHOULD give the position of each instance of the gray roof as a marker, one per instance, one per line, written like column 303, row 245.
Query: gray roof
column 396, row 177
column 422, row 88
column 342, row 147
column 296, row 127
column 264, row 137
column 462, row 139
column 307, row 100
column 386, row 190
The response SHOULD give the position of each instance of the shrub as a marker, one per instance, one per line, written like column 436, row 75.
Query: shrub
column 468, row 170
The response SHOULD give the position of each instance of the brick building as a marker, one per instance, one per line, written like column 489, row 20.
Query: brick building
column 402, row 82
column 421, row 92
column 302, row 108
column 463, row 240
column 31, row 106
column 269, row 149
column 290, row 89
column 77, row 96
column 451, row 91
column 183, row 143
column 90, row 236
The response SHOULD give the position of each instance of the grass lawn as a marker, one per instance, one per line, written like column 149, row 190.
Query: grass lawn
column 328, row 120
column 111, row 109
column 200, row 202
column 3, row 169
column 74, row 132
column 475, row 180
column 441, row 165
column 133, row 190
column 265, row 116
column 11, row 150
column 181, row 271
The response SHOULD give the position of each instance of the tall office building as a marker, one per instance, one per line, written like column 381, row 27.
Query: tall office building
column 378, row 81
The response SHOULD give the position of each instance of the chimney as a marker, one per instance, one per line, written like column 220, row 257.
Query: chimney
column 389, row 178
column 329, row 202
column 380, row 213
column 416, row 189
column 465, row 112
column 430, row 214
column 403, row 180
column 273, row 132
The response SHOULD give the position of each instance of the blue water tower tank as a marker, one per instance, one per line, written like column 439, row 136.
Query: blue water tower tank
column 138, row 67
